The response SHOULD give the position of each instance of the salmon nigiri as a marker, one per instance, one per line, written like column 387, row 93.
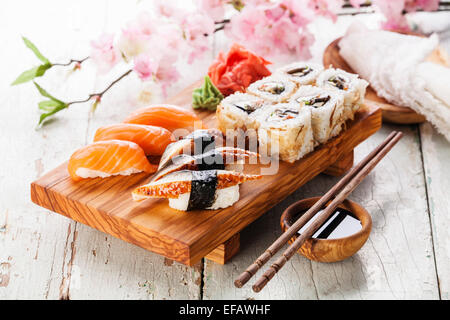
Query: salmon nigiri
column 167, row 116
column 108, row 158
column 153, row 140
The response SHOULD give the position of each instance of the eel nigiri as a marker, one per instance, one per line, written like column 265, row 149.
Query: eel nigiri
column 153, row 140
column 224, row 158
column 189, row 190
column 167, row 116
column 108, row 158
column 197, row 142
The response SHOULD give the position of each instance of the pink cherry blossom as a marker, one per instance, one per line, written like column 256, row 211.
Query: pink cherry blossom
column 167, row 74
column 136, row 36
column 104, row 53
column 169, row 9
column 327, row 8
column 132, row 42
column 145, row 66
column 427, row 5
column 299, row 11
column 242, row 26
column 146, row 24
column 393, row 12
column 213, row 8
column 273, row 28
column 357, row 3
column 196, row 28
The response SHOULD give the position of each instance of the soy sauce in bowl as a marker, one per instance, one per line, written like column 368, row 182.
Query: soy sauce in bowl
column 342, row 223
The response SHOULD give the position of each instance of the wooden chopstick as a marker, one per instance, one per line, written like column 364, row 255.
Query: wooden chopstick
column 325, row 214
column 284, row 238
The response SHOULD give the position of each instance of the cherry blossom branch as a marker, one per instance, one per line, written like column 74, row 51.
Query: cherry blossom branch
column 220, row 28
column 70, row 62
column 99, row 95
column 222, row 21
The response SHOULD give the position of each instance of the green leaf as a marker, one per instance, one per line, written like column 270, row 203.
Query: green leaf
column 95, row 105
column 51, row 111
column 31, row 74
column 46, row 94
column 35, row 50
column 48, row 105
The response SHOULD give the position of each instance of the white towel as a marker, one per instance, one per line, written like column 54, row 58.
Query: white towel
column 394, row 65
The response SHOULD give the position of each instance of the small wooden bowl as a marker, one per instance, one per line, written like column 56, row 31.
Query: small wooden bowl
column 330, row 250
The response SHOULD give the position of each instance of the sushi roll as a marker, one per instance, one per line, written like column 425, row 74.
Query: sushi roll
column 275, row 88
column 196, row 142
column 224, row 158
column 353, row 88
column 284, row 131
column 302, row 73
column 233, row 111
column 108, row 158
column 327, row 110
column 191, row 190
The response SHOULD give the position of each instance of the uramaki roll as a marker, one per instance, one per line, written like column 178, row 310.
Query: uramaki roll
column 233, row 111
column 302, row 73
column 284, row 131
column 353, row 88
column 327, row 110
column 276, row 88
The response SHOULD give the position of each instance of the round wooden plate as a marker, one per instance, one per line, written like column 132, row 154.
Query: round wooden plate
column 391, row 113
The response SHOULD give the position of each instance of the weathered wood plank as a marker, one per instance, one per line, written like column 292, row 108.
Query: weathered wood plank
column 35, row 246
column 395, row 263
column 436, row 157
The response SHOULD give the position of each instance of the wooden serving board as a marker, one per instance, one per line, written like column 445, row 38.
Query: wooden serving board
column 391, row 112
column 106, row 204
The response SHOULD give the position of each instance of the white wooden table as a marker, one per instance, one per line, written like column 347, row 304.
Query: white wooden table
column 46, row 256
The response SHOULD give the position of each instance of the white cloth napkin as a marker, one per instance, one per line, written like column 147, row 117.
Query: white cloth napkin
column 395, row 66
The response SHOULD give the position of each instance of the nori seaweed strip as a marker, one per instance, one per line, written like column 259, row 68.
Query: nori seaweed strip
column 303, row 71
column 203, row 189
column 203, row 141
column 210, row 160
column 246, row 108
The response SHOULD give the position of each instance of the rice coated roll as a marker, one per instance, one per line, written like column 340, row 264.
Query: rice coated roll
column 302, row 73
column 276, row 88
column 284, row 131
column 353, row 88
column 233, row 111
column 327, row 110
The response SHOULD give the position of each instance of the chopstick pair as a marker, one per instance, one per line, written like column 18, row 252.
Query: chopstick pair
column 337, row 194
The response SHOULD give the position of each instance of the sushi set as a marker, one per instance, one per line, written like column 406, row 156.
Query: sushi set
column 202, row 192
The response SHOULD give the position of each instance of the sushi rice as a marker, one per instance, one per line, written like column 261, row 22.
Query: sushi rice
column 233, row 111
column 302, row 73
column 223, row 198
column 327, row 110
column 275, row 88
column 349, row 84
column 284, row 131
